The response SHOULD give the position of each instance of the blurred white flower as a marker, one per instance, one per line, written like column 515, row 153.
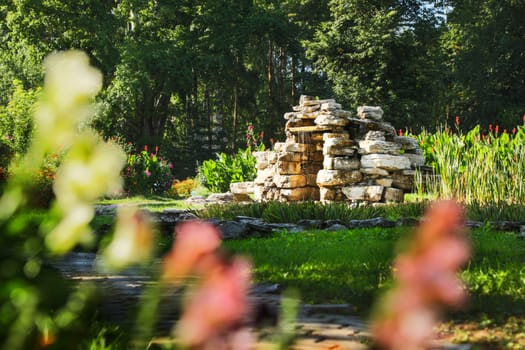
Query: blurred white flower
column 73, row 228
column 90, row 170
column 69, row 87
column 133, row 239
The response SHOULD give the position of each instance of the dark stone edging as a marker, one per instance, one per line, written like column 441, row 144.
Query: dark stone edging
column 244, row 226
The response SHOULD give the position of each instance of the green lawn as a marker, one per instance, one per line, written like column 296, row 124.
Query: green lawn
column 353, row 266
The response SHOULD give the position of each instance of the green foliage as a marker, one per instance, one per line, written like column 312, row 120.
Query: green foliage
column 16, row 124
column 278, row 212
column 353, row 266
column 217, row 175
column 147, row 173
column 477, row 168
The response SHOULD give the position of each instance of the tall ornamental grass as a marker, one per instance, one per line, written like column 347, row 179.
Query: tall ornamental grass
column 477, row 168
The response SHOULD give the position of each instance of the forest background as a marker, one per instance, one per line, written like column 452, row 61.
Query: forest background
column 190, row 76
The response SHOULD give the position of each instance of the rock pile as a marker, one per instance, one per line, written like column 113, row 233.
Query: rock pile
column 331, row 156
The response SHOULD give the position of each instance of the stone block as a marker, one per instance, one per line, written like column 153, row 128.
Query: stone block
column 339, row 147
column 242, row 187
column 385, row 182
column 394, row 195
column 407, row 143
column 328, row 163
column 404, row 182
column 375, row 136
column 292, row 147
column 336, row 135
column 370, row 112
column 330, row 106
column 289, row 181
column 289, row 168
column 291, row 156
column 299, row 194
column 311, row 180
column 416, row 160
column 264, row 175
column 330, row 178
column 330, row 120
column 385, row 161
column 381, row 147
column 331, row 194
column 374, row 172
column 364, row 193
column 345, row 163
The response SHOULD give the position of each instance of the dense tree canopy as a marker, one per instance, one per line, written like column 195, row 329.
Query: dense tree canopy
column 191, row 75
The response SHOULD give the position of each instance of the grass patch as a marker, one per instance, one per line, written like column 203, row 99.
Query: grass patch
column 352, row 266
column 152, row 203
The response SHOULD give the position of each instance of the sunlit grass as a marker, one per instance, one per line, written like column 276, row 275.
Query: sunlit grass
column 354, row 266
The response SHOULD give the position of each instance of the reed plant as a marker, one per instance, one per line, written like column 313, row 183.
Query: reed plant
column 476, row 168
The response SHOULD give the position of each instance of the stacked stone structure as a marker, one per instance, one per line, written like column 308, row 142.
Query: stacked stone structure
column 333, row 157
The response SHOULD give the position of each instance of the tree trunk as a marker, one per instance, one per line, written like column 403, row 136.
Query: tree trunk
column 270, row 89
column 292, row 91
column 234, row 123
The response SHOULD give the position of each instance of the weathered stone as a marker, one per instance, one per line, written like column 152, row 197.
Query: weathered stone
column 375, row 136
column 241, row 187
column 289, row 168
column 341, row 113
column 329, row 178
column 336, row 227
column 305, row 99
column 374, row 222
column 407, row 143
column 307, row 115
column 220, row 198
column 416, row 160
column 345, row 163
column 374, row 171
column 372, row 125
column 364, row 193
column 289, row 181
column 232, row 229
column 331, row 194
column 300, row 194
column 339, row 147
column 385, row 161
column 310, row 109
column 332, row 135
column 328, row 163
column 263, row 176
column 330, row 106
column 394, row 195
column 330, row 120
column 290, row 115
column 293, row 147
column 369, row 112
column 381, row 147
column 403, row 182
column 385, row 182
column 291, row 156
column 311, row 180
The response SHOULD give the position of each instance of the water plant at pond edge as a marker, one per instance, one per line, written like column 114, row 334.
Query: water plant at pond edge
column 478, row 168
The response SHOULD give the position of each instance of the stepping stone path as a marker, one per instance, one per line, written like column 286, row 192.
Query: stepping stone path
column 317, row 327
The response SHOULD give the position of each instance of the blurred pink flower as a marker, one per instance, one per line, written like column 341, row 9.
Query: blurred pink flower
column 215, row 310
column 425, row 280
column 193, row 248
column 148, row 173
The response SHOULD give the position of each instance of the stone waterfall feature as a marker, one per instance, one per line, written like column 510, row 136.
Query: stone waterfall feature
column 331, row 156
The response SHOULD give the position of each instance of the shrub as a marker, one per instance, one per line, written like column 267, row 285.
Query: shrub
column 218, row 174
column 16, row 125
column 147, row 173
column 182, row 189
